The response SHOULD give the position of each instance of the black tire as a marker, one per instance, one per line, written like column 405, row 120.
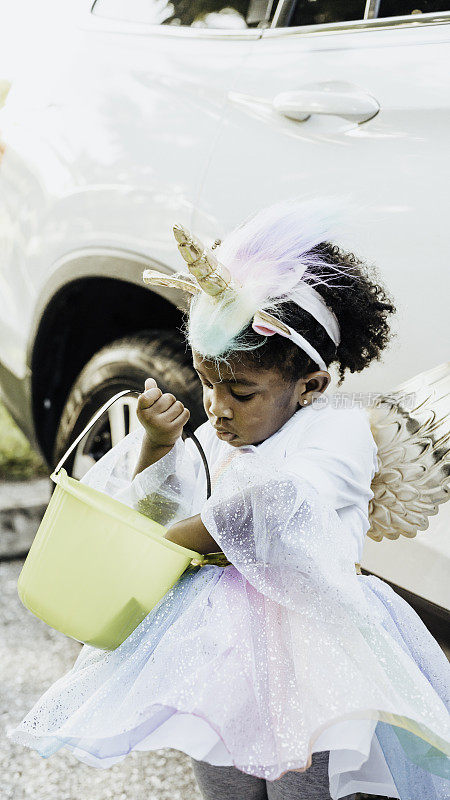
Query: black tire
column 124, row 364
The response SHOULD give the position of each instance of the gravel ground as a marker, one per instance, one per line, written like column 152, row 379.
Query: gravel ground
column 33, row 657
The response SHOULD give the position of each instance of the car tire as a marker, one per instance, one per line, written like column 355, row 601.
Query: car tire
column 123, row 364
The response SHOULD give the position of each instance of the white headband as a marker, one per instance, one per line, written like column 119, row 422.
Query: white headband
column 310, row 300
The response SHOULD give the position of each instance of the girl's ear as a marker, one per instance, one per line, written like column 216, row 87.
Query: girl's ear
column 312, row 384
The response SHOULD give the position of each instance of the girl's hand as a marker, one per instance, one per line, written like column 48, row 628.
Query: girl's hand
column 162, row 415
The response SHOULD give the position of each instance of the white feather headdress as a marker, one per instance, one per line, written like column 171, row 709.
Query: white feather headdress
column 265, row 261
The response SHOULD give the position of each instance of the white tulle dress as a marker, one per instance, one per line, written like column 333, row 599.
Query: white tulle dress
column 286, row 651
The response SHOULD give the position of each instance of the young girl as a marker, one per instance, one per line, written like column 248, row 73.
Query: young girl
column 285, row 673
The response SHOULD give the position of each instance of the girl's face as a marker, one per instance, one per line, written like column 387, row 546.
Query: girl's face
column 246, row 405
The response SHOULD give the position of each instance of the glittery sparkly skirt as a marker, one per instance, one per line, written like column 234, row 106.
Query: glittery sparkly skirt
column 226, row 675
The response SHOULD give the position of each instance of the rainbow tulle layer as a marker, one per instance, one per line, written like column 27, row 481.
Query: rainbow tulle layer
column 197, row 675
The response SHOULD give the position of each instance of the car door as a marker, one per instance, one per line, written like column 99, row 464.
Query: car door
column 360, row 106
column 378, row 97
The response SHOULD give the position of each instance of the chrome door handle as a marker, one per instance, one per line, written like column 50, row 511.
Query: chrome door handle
column 333, row 97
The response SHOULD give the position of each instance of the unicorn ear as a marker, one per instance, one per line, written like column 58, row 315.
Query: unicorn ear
column 178, row 281
column 211, row 276
column 267, row 325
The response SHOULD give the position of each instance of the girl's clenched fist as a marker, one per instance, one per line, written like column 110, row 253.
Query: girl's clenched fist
column 162, row 415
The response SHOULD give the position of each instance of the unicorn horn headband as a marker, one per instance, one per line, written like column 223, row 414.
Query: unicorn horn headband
column 209, row 278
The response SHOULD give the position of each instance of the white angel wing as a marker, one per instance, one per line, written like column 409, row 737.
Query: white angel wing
column 411, row 427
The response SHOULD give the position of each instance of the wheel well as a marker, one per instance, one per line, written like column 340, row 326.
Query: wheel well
column 81, row 318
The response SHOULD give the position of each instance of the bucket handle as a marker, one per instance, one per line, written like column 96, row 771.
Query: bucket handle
column 187, row 431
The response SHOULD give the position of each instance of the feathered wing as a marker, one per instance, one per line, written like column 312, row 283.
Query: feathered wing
column 411, row 427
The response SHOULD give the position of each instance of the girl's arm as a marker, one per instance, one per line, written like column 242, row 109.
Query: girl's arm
column 150, row 454
column 284, row 538
column 192, row 533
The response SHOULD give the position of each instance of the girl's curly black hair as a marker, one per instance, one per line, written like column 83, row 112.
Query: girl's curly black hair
column 361, row 305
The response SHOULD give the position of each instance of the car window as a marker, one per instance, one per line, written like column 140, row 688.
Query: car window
column 236, row 14
column 319, row 12
column 395, row 8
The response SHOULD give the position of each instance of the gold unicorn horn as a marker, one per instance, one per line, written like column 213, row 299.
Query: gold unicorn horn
column 211, row 276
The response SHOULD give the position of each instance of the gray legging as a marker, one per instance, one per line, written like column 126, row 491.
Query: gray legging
column 229, row 783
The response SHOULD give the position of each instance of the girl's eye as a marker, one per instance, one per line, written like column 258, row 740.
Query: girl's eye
column 243, row 397
column 237, row 396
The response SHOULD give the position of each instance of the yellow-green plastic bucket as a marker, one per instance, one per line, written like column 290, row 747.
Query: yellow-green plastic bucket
column 97, row 567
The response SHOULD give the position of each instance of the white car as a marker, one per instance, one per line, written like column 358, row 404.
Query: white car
column 142, row 113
